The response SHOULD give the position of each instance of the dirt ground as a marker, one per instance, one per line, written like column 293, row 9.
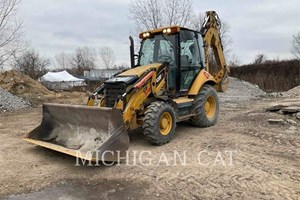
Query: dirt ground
column 264, row 162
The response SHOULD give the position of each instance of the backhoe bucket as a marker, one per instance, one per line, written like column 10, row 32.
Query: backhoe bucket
column 89, row 133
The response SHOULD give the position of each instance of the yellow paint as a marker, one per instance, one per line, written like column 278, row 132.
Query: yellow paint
column 159, row 86
column 102, row 102
column 138, row 71
column 91, row 101
column 183, row 100
column 212, row 40
column 59, row 149
column 165, row 123
column 119, row 105
column 210, row 107
column 137, row 98
column 135, row 103
column 200, row 80
column 134, row 123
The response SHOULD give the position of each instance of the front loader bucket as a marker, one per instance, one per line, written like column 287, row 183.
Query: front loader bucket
column 90, row 133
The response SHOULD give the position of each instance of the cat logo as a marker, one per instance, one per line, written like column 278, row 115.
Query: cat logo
column 158, row 79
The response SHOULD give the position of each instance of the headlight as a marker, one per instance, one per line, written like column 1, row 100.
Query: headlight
column 145, row 35
column 167, row 31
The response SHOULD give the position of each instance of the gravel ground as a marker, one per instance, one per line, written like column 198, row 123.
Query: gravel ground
column 265, row 165
column 10, row 102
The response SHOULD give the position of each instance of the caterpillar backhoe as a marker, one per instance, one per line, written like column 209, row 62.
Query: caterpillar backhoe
column 170, row 80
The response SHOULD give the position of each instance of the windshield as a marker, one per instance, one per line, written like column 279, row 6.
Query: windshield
column 158, row 49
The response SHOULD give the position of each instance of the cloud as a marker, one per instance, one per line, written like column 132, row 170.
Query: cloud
column 258, row 26
column 63, row 25
column 58, row 26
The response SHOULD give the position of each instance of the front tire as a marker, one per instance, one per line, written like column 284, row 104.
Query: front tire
column 206, row 107
column 159, row 123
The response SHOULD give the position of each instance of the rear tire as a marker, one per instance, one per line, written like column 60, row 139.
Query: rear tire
column 159, row 123
column 206, row 107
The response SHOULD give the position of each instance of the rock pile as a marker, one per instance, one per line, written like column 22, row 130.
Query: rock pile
column 292, row 111
column 10, row 102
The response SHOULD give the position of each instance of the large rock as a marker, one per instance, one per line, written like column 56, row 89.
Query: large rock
column 276, row 121
column 291, row 109
column 275, row 108
column 290, row 121
column 298, row 115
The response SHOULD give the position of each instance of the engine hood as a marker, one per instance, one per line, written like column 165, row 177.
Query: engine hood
column 138, row 71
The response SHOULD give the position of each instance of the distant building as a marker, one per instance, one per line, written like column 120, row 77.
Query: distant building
column 100, row 73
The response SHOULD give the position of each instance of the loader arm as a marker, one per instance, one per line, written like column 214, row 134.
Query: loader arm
column 211, row 35
column 146, row 86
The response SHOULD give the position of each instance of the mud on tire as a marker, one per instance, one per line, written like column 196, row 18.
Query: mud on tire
column 152, row 129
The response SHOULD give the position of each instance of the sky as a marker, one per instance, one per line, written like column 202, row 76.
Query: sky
column 57, row 26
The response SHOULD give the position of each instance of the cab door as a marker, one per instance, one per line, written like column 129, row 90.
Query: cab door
column 191, row 58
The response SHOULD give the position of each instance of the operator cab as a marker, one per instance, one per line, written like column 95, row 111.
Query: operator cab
column 180, row 48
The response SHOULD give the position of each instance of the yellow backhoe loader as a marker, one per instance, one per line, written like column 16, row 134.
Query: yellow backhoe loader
column 170, row 80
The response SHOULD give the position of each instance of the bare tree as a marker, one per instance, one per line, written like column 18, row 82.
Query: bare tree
column 225, row 37
column 234, row 61
column 11, row 35
column 63, row 60
column 197, row 21
column 107, row 57
column 123, row 65
column 178, row 12
column 83, row 59
column 296, row 45
column 32, row 64
column 260, row 59
column 152, row 14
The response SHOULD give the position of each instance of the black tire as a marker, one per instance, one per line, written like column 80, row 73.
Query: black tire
column 202, row 118
column 152, row 123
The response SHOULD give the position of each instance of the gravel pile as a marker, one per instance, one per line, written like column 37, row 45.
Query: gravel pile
column 241, row 91
column 10, row 102
column 295, row 92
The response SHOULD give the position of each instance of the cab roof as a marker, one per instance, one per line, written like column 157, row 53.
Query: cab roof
column 166, row 30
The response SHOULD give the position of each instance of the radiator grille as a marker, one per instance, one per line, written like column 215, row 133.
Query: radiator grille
column 113, row 91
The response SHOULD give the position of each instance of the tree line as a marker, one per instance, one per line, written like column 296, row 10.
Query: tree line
column 31, row 63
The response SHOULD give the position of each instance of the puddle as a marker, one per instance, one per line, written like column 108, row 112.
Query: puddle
column 77, row 191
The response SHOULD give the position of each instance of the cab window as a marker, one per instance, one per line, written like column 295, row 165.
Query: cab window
column 190, row 58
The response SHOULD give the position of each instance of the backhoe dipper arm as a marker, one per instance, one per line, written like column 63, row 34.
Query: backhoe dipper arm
column 211, row 35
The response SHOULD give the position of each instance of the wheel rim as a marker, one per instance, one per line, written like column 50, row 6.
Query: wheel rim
column 210, row 107
column 165, row 123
